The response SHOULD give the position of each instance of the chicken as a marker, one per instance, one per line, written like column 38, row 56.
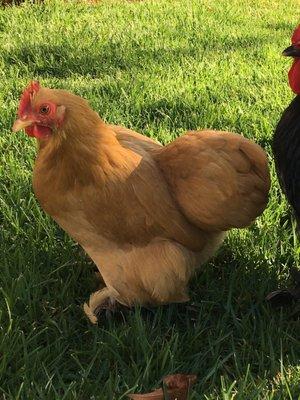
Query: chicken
column 286, row 150
column 286, row 141
column 147, row 215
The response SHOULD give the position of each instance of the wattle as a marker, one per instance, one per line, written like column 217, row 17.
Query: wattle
column 38, row 131
column 294, row 76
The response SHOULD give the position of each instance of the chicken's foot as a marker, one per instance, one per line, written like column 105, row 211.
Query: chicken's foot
column 99, row 301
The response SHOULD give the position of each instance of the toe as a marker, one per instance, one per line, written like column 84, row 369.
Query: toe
column 89, row 313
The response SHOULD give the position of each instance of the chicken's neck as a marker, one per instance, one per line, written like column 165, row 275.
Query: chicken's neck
column 89, row 153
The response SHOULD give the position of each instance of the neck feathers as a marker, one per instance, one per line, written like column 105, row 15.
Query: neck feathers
column 85, row 151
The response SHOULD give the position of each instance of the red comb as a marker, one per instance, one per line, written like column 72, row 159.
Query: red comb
column 26, row 97
column 296, row 35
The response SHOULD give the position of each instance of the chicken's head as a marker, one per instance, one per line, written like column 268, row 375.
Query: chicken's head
column 39, row 113
column 294, row 51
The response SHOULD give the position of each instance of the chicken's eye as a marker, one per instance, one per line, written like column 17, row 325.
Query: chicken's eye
column 44, row 109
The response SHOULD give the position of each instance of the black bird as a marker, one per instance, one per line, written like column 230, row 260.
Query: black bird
column 286, row 141
column 286, row 150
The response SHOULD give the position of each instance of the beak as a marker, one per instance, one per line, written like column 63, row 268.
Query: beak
column 21, row 124
column 292, row 51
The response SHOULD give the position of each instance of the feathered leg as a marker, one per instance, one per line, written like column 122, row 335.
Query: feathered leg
column 100, row 300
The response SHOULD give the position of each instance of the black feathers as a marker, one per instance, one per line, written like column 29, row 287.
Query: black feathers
column 286, row 149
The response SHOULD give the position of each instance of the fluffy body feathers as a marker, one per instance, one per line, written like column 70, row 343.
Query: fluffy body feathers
column 147, row 215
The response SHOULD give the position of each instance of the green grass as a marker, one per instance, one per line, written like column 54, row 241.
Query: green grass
column 160, row 67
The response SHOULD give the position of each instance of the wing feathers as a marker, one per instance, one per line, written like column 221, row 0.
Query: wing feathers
column 220, row 180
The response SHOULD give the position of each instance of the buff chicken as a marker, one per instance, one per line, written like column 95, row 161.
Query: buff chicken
column 148, row 215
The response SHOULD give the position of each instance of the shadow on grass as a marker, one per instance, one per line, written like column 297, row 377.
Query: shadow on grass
column 226, row 330
column 282, row 25
column 61, row 61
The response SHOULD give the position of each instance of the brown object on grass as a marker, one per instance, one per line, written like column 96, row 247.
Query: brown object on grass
column 177, row 388
column 148, row 215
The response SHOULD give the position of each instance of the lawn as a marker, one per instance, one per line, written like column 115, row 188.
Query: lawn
column 160, row 67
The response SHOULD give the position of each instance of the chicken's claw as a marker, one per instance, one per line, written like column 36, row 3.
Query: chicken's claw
column 99, row 301
column 286, row 297
column 89, row 313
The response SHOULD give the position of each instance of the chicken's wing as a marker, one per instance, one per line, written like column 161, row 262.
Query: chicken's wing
column 220, row 180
